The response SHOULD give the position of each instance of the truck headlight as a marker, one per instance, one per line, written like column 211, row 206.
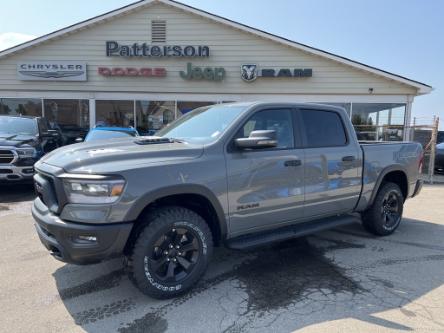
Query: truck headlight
column 26, row 152
column 91, row 191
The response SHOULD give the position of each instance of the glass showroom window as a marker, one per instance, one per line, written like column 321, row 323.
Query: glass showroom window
column 185, row 107
column 379, row 121
column 153, row 115
column 69, row 116
column 115, row 113
column 21, row 106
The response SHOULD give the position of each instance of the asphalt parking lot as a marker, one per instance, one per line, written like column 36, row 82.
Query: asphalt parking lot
column 335, row 281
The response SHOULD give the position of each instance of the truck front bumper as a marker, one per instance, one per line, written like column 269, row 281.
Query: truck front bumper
column 79, row 243
column 10, row 173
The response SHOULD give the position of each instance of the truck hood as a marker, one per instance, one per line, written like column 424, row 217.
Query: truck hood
column 114, row 155
column 16, row 140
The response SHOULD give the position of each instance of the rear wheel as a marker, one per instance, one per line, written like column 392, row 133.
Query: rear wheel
column 171, row 253
column 385, row 214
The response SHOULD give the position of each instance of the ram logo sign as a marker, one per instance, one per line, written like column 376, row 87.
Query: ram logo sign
column 249, row 72
column 51, row 71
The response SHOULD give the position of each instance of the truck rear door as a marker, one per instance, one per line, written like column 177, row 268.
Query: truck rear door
column 332, row 165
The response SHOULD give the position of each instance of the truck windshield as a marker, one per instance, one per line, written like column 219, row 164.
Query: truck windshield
column 111, row 134
column 16, row 125
column 202, row 125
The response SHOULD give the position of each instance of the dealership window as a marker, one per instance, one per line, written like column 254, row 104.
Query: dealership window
column 21, row 106
column 151, row 116
column 379, row 121
column 115, row 113
column 185, row 107
column 69, row 116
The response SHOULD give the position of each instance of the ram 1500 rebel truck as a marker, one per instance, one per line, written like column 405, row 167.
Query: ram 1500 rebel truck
column 239, row 175
column 23, row 140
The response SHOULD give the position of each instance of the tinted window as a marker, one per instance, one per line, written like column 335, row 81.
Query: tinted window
column 323, row 128
column 278, row 120
column 43, row 125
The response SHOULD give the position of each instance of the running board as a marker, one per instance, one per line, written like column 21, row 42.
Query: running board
column 298, row 230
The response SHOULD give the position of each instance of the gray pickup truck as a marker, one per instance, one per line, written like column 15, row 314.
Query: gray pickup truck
column 239, row 175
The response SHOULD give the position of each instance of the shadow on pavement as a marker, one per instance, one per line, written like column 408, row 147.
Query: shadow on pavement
column 297, row 280
column 12, row 193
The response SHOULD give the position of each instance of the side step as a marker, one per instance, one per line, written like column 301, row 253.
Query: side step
column 293, row 231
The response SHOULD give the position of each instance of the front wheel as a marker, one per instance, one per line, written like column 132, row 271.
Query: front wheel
column 171, row 253
column 384, row 215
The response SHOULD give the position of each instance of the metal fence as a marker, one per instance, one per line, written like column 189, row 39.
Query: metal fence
column 422, row 130
column 427, row 136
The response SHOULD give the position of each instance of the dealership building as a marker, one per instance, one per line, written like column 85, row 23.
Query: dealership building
column 150, row 62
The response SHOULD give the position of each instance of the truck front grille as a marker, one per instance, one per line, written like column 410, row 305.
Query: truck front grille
column 45, row 189
column 7, row 156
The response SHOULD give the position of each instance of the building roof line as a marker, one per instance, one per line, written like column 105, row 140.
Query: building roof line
column 421, row 87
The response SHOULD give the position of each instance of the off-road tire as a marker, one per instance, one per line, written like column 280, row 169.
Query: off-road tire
column 160, row 222
column 374, row 219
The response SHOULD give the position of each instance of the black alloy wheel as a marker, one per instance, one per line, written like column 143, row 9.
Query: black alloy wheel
column 174, row 255
column 390, row 209
column 171, row 252
column 384, row 215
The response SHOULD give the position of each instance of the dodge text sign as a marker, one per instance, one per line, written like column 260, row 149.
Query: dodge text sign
column 131, row 71
column 51, row 71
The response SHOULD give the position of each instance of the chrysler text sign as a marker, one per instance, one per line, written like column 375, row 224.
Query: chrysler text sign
column 51, row 71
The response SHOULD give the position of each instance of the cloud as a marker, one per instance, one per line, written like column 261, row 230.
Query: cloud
column 9, row 39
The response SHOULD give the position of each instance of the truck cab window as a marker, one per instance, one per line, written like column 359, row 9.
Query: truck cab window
column 323, row 128
column 278, row 120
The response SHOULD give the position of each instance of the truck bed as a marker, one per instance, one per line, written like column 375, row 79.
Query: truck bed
column 381, row 157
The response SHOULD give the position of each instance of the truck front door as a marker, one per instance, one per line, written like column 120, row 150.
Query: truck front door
column 332, row 163
column 266, row 186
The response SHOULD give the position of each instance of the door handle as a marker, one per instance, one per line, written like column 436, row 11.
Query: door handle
column 350, row 158
column 292, row 163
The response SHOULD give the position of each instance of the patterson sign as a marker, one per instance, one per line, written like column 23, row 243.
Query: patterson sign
column 114, row 49
column 51, row 71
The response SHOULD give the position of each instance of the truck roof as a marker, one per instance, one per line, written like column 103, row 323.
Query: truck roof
column 19, row 116
column 285, row 104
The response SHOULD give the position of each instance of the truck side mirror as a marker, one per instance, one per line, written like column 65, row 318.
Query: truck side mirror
column 257, row 140
column 50, row 134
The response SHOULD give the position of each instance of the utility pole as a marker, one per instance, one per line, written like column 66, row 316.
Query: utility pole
column 433, row 148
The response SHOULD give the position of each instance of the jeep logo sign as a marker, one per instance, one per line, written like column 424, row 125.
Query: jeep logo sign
column 51, row 71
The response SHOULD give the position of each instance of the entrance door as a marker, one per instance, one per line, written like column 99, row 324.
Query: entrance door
column 265, row 186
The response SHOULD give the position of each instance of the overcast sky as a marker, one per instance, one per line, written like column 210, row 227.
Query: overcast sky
column 401, row 36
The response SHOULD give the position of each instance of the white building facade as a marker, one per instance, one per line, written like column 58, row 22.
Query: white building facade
column 148, row 63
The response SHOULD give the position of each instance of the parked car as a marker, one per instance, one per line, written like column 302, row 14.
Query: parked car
column 70, row 133
column 23, row 140
column 439, row 158
column 105, row 132
column 239, row 175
